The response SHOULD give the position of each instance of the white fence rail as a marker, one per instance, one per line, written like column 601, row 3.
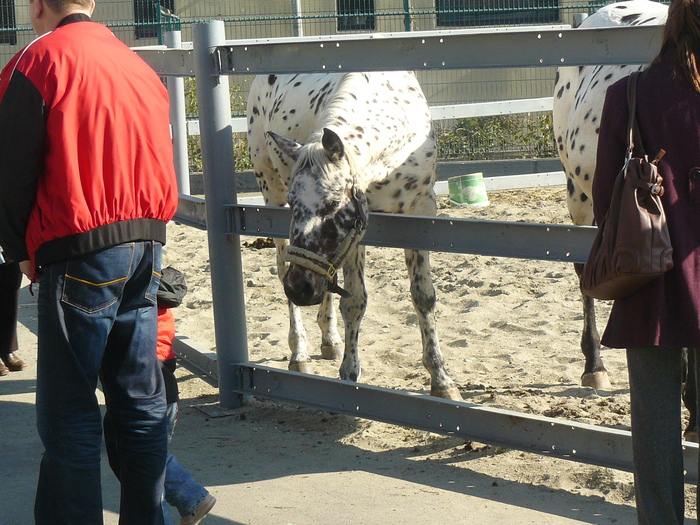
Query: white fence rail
column 454, row 111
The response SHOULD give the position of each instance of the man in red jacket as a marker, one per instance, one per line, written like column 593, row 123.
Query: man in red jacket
column 88, row 185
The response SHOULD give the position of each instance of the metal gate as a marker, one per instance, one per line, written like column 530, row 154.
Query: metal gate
column 212, row 59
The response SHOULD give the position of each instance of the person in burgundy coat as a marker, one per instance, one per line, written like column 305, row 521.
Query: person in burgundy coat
column 657, row 322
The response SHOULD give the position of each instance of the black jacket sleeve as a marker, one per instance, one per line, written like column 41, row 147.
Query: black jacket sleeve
column 22, row 148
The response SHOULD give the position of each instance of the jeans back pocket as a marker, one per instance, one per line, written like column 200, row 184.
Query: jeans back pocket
column 95, row 281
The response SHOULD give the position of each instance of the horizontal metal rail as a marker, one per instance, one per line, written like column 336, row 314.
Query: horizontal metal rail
column 191, row 211
column 535, row 46
column 514, row 182
column 457, row 49
column 169, row 62
column 530, row 433
column 549, row 242
column 197, row 359
column 535, row 434
column 488, row 109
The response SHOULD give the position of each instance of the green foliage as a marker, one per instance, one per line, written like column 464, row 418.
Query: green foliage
column 539, row 136
column 497, row 137
column 194, row 145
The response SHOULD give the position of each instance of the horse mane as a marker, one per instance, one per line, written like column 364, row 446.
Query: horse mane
column 316, row 157
column 335, row 116
column 335, row 109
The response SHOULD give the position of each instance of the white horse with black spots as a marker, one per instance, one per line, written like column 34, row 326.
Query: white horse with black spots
column 579, row 94
column 334, row 147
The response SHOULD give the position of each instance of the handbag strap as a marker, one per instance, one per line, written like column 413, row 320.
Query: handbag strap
column 632, row 127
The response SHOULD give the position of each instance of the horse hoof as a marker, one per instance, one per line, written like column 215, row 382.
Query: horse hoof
column 332, row 352
column 350, row 374
column 596, row 380
column 302, row 366
column 691, row 435
column 451, row 393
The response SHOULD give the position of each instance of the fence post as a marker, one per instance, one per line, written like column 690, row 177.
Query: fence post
column 407, row 22
column 178, row 120
column 298, row 23
column 214, row 105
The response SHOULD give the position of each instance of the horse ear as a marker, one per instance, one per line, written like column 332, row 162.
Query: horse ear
column 332, row 144
column 288, row 147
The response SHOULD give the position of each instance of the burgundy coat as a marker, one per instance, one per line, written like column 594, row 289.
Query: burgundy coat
column 665, row 312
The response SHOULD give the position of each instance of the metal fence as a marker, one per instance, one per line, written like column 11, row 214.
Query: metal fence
column 238, row 377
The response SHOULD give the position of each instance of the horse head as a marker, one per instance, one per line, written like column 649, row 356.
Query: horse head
column 329, row 216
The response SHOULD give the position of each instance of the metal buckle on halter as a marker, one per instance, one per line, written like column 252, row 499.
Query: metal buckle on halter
column 332, row 272
column 361, row 219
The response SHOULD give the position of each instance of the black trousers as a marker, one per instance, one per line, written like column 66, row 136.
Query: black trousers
column 10, row 282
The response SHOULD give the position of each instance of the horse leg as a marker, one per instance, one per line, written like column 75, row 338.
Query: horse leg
column 331, row 342
column 423, row 297
column 300, row 360
column 595, row 375
column 690, row 393
column 353, row 310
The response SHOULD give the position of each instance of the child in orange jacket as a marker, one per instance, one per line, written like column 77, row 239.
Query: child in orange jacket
column 191, row 499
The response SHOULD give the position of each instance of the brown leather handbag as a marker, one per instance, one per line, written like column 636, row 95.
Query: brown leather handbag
column 632, row 245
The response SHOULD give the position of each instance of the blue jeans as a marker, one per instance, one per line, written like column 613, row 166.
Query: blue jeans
column 98, row 319
column 181, row 489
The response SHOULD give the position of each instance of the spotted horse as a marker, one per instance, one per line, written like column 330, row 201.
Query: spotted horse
column 335, row 146
column 579, row 93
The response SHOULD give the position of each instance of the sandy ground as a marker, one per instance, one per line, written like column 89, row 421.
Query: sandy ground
column 509, row 330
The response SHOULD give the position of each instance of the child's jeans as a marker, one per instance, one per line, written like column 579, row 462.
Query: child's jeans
column 181, row 489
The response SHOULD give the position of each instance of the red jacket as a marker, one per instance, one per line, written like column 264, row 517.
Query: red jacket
column 166, row 334
column 165, row 353
column 85, row 149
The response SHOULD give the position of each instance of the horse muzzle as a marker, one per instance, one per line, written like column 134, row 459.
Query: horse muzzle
column 304, row 287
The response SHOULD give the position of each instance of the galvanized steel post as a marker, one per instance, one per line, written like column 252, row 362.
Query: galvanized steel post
column 298, row 22
column 219, row 190
column 178, row 122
